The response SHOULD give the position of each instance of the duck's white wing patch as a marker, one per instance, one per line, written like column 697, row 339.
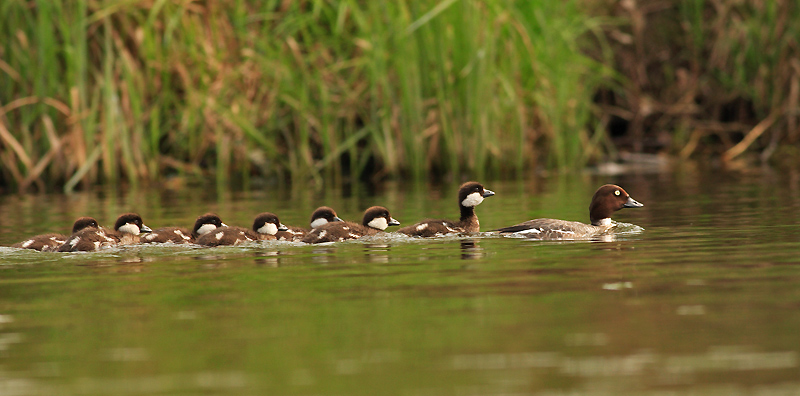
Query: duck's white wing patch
column 531, row 231
column 422, row 227
column 27, row 243
column 181, row 235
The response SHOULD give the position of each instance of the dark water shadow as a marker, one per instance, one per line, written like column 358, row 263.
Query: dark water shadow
column 471, row 250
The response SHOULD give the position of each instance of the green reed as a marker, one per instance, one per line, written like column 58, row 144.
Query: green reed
column 102, row 91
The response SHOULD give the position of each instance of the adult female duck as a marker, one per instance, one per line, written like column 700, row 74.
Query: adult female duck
column 606, row 200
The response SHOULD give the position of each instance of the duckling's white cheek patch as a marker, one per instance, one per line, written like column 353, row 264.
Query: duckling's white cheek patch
column 268, row 228
column 130, row 229
column 473, row 199
column 318, row 222
column 379, row 223
column 205, row 229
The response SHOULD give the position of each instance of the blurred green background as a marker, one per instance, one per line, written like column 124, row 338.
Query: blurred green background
column 106, row 92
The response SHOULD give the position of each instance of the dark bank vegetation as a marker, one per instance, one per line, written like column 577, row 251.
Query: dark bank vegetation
column 705, row 78
column 98, row 91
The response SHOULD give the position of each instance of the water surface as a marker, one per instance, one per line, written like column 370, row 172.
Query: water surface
column 705, row 301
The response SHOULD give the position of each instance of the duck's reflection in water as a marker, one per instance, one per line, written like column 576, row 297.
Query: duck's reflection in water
column 211, row 258
column 377, row 252
column 135, row 259
column 123, row 264
column 264, row 258
column 322, row 255
column 127, row 263
column 470, row 250
column 268, row 258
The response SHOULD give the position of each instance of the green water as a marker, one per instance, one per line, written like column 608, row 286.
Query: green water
column 706, row 301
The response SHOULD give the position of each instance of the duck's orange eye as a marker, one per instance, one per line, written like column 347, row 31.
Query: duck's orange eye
column 616, row 192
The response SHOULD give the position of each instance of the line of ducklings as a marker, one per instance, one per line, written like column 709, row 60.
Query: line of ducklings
column 325, row 226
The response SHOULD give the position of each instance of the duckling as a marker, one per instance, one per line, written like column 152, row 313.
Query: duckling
column 202, row 225
column 470, row 195
column 51, row 242
column 376, row 219
column 323, row 215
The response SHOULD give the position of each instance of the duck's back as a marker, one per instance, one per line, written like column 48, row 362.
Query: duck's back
column 168, row 235
column 44, row 243
column 292, row 234
column 337, row 232
column 554, row 229
column 226, row 236
column 90, row 240
column 429, row 228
